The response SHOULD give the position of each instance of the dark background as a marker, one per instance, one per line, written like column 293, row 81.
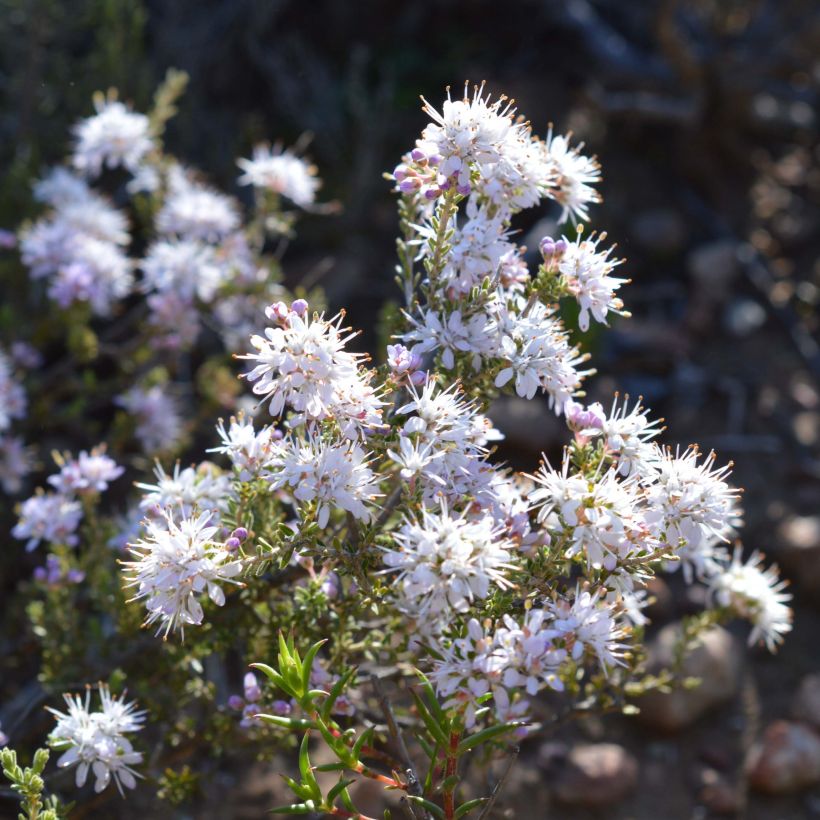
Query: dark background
column 704, row 116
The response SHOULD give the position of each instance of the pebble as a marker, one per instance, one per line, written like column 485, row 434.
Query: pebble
column 713, row 268
column 785, row 760
column 806, row 705
column 717, row 793
column 596, row 774
column 661, row 230
column 716, row 662
column 798, row 550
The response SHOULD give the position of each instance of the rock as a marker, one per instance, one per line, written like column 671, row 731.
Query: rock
column 528, row 425
column 743, row 317
column 716, row 661
column 806, row 705
column 798, row 540
column 661, row 230
column 717, row 793
column 713, row 268
column 785, row 760
column 662, row 608
column 596, row 774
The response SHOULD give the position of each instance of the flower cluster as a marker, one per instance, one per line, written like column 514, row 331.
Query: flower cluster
column 55, row 516
column 15, row 457
column 79, row 246
column 176, row 563
column 96, row 741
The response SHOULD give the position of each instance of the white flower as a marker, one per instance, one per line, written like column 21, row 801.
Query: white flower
column 174, row 321
column 96, row 740
column 451, row 333
column 48, row 517
column 282, row 172
column 587, row 273
column 573, row 175
column 414, row 457
column 12, row 396
column 188, row 267
column 60, row 187
column 194, row 211
column 476, row 250
column 248, row 450
column 538, row 355
column 114, row 137
column 755, row 594
column 329, row 473
column 691, row 507
column 159, row 426
column 446, row 561
column 186, row 492
column 302, row 363
column 627, row 433
column 98, row 272
column 589, row 624
column 16, row 462
column 471, row 130
column 176, row 563
column 88, row 473
column 600, row 516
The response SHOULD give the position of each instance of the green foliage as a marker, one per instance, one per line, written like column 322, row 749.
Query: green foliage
column 29, row 785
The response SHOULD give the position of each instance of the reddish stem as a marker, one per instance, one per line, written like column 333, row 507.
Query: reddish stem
column 450, row 768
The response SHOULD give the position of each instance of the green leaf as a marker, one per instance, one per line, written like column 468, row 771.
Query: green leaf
column 273, row 676
column 486, row 735
column 434, row 705
column 435, row 810
column 336, row 691
column 330, row 767
column 338, row 789
column 467, row 807
column 287, row 723
column 308, row 778
column 307, row 664
column 364, row 738
column 449, row 783
column 432, row 727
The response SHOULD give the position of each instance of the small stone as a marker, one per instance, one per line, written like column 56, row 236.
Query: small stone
column 662, row 607
column 713, row 268
column 661, row 230
column 596, row 774
column 528, row 425
column 798, row 550
column 806, row 705
column 785, row 760
column 718, row 794
column 716, row 662
column 743, row 317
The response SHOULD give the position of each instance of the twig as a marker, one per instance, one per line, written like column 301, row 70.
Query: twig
column 485, row 812
column 389, row 506
column 413, row 785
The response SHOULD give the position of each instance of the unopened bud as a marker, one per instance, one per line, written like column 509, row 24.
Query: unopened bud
column 299, row 307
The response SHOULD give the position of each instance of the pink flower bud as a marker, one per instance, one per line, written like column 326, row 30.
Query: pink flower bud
column 277, row 312
column 400, row 172
column 299, row 307
column 410, row 185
